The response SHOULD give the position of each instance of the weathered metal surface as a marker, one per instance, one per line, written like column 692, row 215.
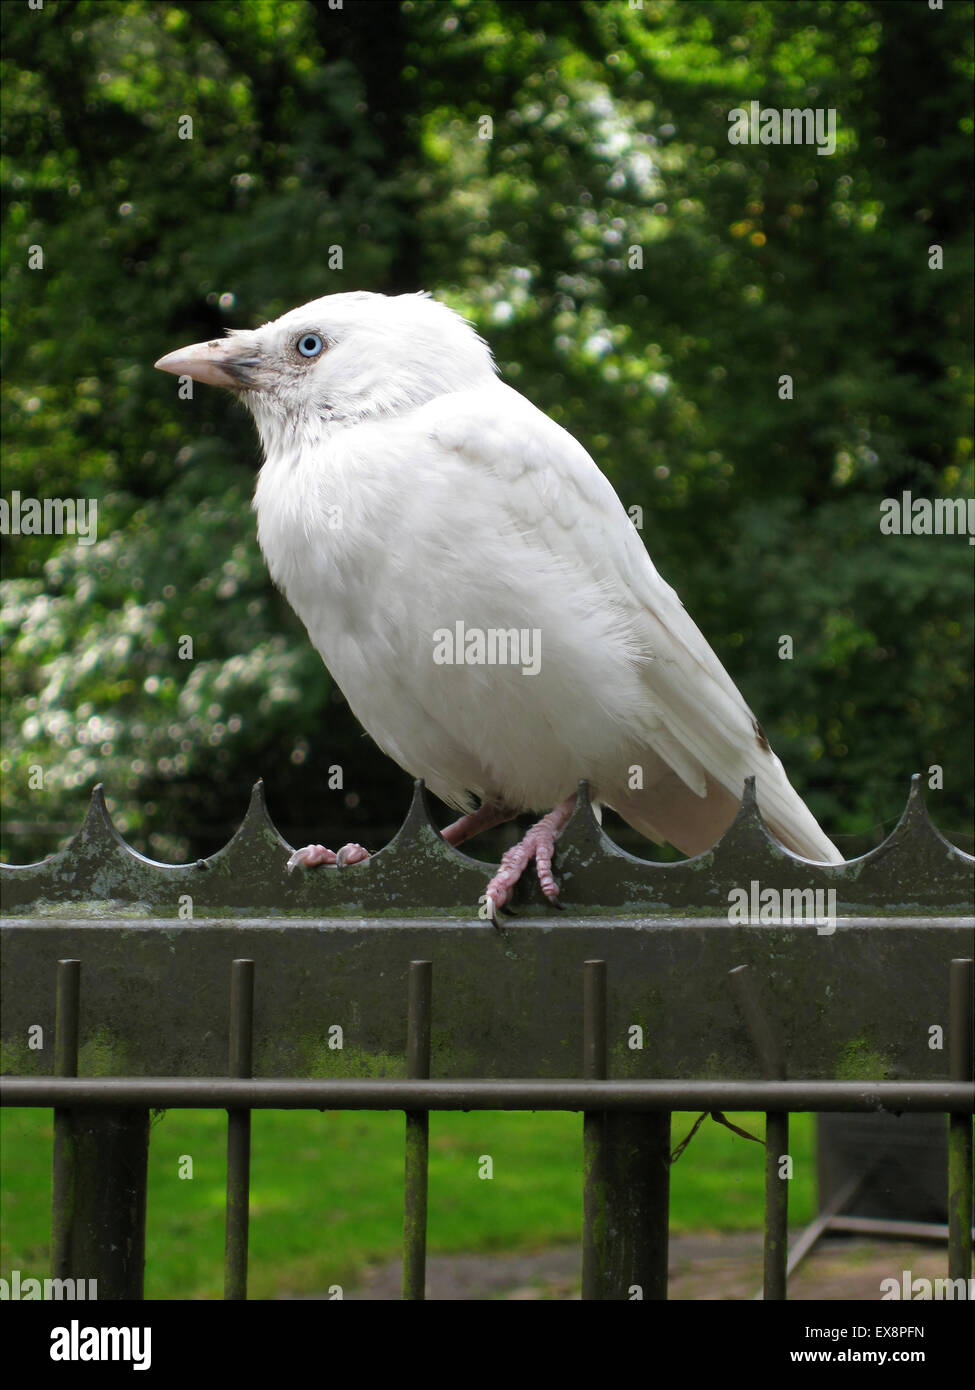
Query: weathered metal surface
column 901, row 1160
column 626, row 1177
column 595, row 1064
column 67, row 1026
column 629, row 1188
column 418, row 873
column 100, row 1163
column 241, row 1049
column 775, row 1257
column 332, row 947
column 154, row 995
column 776, row 1242
column 106, row 1161
column 960, row 1125
column 417, row 1150
column 220, row 1093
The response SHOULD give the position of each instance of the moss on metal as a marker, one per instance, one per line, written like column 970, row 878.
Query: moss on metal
column 418, row 874
column 334, row 946
column 859, row 1061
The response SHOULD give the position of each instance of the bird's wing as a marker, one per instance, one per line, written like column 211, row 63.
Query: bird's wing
column 694, row 717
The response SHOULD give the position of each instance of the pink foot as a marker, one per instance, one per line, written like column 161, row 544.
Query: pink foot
column 313, row 855
column 538, row 844
column 486, row 817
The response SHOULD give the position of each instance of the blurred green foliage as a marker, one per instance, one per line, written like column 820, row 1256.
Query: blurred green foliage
column 362, row 128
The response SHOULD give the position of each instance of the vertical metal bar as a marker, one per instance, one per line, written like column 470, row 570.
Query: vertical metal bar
column 65, row 1064
column 99, row 1178
column 626, row 1177
column 776, row 1254
column 110, row 1149
column 594, row 1068
column 239, row 1132
column 960, row 1126
column 638, row 1204
column 417, row 1146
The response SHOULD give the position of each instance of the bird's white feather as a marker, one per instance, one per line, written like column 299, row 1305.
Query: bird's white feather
column 406, row 490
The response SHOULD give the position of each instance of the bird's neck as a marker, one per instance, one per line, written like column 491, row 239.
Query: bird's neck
column 286, row 435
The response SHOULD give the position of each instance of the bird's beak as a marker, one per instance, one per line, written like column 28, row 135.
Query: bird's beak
column 225, row 362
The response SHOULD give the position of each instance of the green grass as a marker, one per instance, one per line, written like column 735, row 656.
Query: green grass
column 326, row 1191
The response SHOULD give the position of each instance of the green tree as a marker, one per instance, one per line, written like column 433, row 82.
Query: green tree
column 562, row 174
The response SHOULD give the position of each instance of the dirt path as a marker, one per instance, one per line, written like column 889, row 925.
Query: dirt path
column 701, row 1267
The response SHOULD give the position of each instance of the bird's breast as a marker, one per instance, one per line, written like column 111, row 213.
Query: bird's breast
column 469, row 651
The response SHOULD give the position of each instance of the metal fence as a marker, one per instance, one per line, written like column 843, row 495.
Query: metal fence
column 639, row 1000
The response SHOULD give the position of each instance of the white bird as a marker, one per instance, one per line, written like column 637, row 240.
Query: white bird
column 477, row 590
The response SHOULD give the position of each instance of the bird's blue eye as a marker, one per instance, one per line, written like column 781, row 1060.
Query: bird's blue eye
column 310, row 345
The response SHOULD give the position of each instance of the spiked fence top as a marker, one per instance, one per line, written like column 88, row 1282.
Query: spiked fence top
column 98, row 875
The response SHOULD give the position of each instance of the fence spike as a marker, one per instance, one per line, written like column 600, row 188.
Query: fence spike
column 419, row 826
column 915, row 865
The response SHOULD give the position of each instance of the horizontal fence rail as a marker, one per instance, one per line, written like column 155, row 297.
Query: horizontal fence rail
column 218, row 1093
column 102, row 1137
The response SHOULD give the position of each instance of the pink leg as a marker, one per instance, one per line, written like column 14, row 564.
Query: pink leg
column 484, row 818
column 313, row 855
column 538, row 844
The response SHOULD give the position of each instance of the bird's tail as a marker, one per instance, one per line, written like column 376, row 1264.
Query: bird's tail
column 671, row 811
column 799, row 830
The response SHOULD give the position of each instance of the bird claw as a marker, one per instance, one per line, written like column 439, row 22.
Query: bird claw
column 351, row 854
column 490, row 910
column 311, row 856
column 538, row 844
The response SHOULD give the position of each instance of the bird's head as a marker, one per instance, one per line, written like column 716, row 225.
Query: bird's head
column 341, row 359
